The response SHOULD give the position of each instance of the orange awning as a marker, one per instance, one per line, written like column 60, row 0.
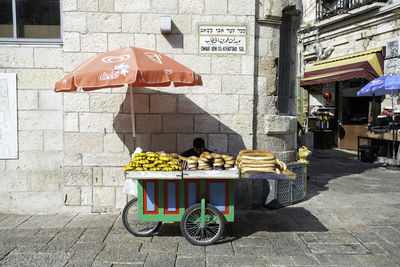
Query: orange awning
column 367, row 64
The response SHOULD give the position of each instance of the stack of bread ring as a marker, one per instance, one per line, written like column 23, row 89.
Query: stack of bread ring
column 208, row 161
column 263, row 161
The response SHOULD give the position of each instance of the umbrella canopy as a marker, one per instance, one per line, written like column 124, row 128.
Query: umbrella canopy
column 381, row 86
column 137, row 67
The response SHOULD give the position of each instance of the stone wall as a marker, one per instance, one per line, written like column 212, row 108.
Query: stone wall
column 72, row 145
column 33, row 182
column 365, row 28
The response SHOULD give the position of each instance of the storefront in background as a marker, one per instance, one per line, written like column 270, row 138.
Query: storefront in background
column 336, row 114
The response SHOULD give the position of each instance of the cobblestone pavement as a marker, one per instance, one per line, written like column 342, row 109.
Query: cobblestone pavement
column 351, row 218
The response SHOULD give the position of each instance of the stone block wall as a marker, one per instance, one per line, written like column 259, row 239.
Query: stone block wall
column 72, row 145
column 33, row 182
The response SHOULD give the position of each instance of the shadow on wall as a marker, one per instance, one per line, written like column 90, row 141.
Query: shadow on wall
column 169, row 122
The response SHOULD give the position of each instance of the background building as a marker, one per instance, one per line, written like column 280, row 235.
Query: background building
column 71, row 146
column 343, row 45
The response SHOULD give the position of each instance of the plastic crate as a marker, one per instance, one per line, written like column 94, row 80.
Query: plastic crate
column 286, row 192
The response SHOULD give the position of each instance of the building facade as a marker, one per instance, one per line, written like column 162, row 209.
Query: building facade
column 346, row 42
column 71, row 146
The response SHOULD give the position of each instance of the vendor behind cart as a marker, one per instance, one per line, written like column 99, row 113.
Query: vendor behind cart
column 198, row 148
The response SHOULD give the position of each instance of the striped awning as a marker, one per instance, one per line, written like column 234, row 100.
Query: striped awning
column 367, row 64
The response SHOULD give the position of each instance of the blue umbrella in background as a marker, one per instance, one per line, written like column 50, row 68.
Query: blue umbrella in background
column 382, row 86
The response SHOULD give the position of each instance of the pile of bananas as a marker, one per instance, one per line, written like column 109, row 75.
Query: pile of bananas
column 153, row 162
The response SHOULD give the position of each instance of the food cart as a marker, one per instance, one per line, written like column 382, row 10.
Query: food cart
column 202, row 201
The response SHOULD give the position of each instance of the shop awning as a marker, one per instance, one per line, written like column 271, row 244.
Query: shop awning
column 367, row 64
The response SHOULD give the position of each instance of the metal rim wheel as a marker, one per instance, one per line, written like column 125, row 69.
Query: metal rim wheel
column 133, row 225
column 191, row 227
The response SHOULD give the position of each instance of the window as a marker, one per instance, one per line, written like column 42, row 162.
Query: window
column 30, row 21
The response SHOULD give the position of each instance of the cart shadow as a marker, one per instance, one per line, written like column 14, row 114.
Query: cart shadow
column 260, row 222
column 326, row 165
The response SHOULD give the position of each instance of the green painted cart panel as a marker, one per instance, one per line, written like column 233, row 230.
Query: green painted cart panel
column 161, row 216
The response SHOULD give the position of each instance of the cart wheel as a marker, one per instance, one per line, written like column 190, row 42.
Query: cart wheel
column 191, row 227
column 133, row 225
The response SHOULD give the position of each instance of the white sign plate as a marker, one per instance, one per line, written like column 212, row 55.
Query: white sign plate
column 222, row 39
column 8, row 116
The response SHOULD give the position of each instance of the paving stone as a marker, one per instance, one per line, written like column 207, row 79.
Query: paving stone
column 220, row 249
column 367, row 236
column 389, row 234
column 164, row 247
column 218, row 261
column 305, row 260
column 103, row 220
column 83, row 258
column 3, row 217
column 59, row 220
column 94, row 235
column 254, row 251
column 186, row 249
column 123, row 246
column 57, row 246
column 329, row 238
column 48, row 232
column 339, row 260
column 43, row 259
column 375, row 248
column 273, row 260
column 120, row 256
column 160, row 259
column 376, row 260
column 35, row 222
column 125, row 238
column 86, row 247
column 21, row 240
column 253, row 242
column 5, row 250
column 20, row 232
column 338, row 248
column 70, row 233
column 81, row 221
column 288, row 246
column 13, row 221
column 102, row 264
column 190, row 261
column 128, row 265
column 28, row 248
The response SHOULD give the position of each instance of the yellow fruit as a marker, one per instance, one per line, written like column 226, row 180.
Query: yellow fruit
column 165, row 159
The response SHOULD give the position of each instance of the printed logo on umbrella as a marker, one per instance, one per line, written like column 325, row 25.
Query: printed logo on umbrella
column 115, row 59
column 115, row 73
column 376, row 82
column 154, row 57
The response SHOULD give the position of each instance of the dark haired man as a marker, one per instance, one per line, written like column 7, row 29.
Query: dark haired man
column 198, row 148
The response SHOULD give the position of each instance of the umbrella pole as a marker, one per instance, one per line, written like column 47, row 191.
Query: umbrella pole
column 132, row 111
column 394, row 156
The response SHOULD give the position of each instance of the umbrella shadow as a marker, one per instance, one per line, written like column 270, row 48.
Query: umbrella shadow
column 169, row 122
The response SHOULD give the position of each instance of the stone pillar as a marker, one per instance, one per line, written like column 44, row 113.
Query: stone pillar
column 273, row 131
